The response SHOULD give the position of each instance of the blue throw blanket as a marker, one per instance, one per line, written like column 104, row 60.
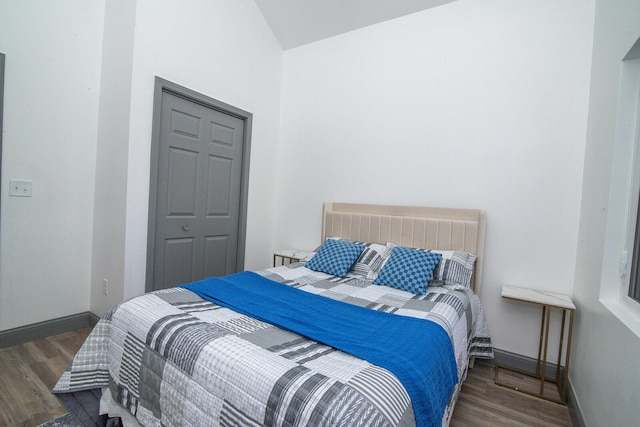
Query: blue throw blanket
column 418, row 352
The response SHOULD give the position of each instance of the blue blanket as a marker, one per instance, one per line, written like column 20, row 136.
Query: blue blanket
column 418, row 352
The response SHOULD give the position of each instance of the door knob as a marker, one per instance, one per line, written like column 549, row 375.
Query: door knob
column 186, row 227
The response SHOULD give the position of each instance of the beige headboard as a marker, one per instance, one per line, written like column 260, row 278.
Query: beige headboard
column 410, row 226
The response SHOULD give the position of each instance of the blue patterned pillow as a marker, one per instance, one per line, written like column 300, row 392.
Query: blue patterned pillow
column 335, row 257
column 408, row 269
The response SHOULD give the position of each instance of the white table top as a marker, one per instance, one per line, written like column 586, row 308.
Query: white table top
column 292, row 253
column 538, row 297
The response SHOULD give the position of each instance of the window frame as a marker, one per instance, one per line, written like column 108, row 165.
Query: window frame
column 632, row 273
column 624, row 195
column 634, row 276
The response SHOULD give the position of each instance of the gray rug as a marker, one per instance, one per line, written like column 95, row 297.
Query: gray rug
column 83, row 407
column 64, row 421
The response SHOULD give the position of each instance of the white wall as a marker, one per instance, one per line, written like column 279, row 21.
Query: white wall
column 52, row 84
column 110, row 206
column 605, row 376
column 470, row 104
column 56, row 123
column 225, row 50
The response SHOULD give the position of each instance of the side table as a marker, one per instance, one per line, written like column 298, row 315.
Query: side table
column 288, row 256
column 548, row 301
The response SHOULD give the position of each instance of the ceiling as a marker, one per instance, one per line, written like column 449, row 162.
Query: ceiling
column 298, row 22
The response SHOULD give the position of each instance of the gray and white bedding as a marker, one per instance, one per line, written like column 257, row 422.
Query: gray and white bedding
column 173, row 359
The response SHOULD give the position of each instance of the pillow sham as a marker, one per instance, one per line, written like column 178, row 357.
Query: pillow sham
column 455, row 268
column 335, row 257
column 370, row 260
column 408, row 269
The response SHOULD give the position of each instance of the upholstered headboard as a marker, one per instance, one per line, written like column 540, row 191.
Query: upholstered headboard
column 410, row 226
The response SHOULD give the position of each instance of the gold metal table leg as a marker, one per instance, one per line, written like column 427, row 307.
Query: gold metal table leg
column 565, row 384
column 564, row 318
column 541, row 339
column 546, row 347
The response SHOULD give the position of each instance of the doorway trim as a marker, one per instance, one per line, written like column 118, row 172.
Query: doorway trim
column 165, row 86
column 2, row 56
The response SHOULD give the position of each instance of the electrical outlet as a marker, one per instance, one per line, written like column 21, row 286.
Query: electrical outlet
column 20, row 187
column 105, row 287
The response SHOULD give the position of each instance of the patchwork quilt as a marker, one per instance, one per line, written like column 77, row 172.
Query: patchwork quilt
column 172, row 358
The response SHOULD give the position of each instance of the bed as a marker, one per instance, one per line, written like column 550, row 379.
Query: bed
column 210, row 353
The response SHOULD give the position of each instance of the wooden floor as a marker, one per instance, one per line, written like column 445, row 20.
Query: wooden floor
column 483, row 403
column 29, row 371
column 27, row 374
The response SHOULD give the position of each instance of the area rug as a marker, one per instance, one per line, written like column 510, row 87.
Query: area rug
column 66, row 420
column 83, row 407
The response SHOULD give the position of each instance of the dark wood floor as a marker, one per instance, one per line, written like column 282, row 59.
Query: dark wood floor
column 29, row 371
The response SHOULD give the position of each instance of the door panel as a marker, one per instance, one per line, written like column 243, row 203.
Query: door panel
column 185, row 124
column 178, row 260
column 222, row 134
column 182, row 183
column 198, row 192
column 220, row 186
column 215, row 264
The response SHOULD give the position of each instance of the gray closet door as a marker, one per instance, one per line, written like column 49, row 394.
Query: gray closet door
column 198, row 193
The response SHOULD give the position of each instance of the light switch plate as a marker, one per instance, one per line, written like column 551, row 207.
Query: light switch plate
column 20, row 187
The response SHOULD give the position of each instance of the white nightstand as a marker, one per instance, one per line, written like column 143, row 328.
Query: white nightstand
column 289, row 256
column 548, row 301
